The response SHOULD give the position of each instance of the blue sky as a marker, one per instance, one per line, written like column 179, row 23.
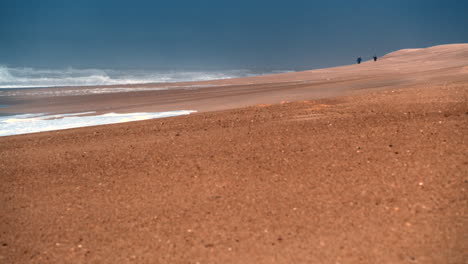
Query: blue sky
column 212, row 34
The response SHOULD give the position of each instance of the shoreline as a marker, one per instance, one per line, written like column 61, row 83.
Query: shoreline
column 395, row 70
column 360, row 169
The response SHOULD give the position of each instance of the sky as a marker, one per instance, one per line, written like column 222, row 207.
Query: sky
column 217, row 34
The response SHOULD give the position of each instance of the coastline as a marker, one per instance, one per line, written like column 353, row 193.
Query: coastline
column 366, row 168
column 434, row 65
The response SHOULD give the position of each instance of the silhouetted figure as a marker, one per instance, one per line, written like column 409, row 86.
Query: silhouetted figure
column 375, row 58
column 359, row 60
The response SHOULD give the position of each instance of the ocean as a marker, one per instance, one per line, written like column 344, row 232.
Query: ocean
column 38, row 77
column 16, row 82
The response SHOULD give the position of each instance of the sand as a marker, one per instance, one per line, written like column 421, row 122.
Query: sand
column 370, row 167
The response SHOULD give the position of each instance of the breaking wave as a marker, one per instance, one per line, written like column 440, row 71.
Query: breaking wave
column 34, row 77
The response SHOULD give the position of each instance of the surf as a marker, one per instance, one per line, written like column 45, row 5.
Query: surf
column 42, row 78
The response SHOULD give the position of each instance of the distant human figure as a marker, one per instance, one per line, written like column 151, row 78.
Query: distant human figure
column 375, row 58
column 359, row 59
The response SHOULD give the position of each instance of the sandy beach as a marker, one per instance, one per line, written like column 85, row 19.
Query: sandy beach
column 354, row 164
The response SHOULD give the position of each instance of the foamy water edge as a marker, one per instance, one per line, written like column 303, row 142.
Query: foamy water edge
column 33, row 123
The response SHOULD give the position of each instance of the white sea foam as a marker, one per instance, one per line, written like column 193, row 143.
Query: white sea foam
column 32, row 77
column 31, row 123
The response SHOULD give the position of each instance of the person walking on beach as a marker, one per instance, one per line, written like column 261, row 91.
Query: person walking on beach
column 375, row 58
column 359, row 60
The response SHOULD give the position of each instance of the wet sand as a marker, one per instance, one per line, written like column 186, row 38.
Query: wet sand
column 377, row 174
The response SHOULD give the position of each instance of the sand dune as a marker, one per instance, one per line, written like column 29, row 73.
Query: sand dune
column 373, row 172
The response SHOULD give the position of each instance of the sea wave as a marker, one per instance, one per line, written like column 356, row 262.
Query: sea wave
column 34, row 77
column 32, row 123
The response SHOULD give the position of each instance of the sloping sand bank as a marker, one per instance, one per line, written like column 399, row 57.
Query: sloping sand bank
column 376, row 177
